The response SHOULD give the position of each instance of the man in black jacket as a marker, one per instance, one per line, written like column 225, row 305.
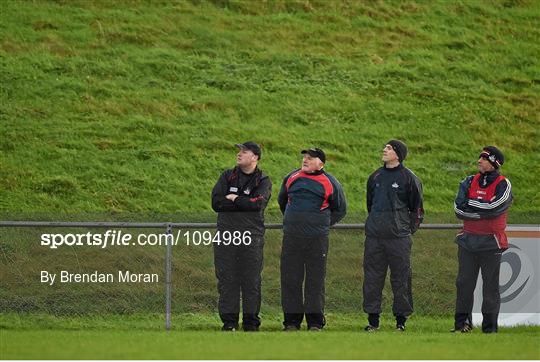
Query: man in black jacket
column 240, row 197
column 482, row 202
column 311, row 200
column 395, row 211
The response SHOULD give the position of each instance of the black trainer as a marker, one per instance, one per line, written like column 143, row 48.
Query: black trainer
column 370, row 328
column 250, row 328
column 466, row 328
column 315, row 328
column 229, row 328
column 291, row 328
column 400, row 327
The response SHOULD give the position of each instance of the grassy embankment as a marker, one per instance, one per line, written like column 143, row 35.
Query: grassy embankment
column 131, row 112
column 112, row 109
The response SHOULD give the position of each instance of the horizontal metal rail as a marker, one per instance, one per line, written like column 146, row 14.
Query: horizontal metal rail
column 177, row 225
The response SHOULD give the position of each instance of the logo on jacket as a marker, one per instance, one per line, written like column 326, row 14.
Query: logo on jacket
column 247, row 191
column 395, row 185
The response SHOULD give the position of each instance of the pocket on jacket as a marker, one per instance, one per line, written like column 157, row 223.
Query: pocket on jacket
column 403, row 222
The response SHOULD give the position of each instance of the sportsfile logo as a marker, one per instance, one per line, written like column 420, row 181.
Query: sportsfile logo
column 109, row 238
column 120, row 238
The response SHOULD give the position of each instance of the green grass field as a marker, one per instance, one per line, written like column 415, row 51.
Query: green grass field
column 214, row 345
column 124, row 321
column 197, row 337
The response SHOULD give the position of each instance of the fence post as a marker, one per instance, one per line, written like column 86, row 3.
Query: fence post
column 168, row 264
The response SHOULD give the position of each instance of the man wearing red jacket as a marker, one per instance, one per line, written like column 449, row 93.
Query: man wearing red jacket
column 482, row 203
column 311, row 200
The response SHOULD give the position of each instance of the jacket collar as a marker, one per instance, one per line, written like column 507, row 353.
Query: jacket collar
column 487, row 178
column 321, row 171
column 397, row 168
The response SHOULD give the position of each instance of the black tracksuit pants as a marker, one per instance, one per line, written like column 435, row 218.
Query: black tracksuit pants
column 379, row 255
column 303, row 263
column 470, row 263
column 238, row 271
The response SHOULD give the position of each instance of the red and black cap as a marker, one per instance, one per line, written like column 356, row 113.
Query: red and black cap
column 315, row 152
column 493, row 155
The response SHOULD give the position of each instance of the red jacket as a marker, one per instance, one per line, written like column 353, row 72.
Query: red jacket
column 482, row 203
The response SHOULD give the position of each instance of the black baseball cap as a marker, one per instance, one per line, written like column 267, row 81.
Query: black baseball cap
column 315, row 152
column 252, row 146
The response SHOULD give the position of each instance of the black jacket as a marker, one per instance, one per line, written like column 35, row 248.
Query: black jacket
column 247, row 210
column 394, row 203
column 311, row 203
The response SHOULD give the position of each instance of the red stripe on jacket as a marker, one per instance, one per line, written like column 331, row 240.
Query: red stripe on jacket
column 320, row 178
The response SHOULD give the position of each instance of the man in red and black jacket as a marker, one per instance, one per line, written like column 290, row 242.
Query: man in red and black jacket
column 482, row 203
column 311, row 200
column 240, row 197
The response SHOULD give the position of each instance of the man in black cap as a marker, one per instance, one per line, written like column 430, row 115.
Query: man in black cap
column 311, row 200
column 395, row 211
column 240, row 197
column 482, row 203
